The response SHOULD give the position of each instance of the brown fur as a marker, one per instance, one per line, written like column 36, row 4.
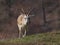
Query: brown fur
column 19, row 20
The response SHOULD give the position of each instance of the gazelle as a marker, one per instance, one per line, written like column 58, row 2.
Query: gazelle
column 22, row 23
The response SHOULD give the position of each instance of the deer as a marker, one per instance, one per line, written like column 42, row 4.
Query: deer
column 22, row 21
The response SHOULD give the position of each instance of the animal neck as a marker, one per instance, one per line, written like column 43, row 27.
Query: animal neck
column 25, row 20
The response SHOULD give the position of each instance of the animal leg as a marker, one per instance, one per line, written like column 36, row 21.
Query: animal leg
column 19, row 33
column 24, row 34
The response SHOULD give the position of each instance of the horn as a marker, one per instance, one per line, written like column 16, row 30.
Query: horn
column 30, row 11
column 22, row 10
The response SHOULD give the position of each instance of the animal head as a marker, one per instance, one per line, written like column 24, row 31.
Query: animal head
column 26, row 15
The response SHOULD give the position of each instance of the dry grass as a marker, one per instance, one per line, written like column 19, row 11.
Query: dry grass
column 50, row 38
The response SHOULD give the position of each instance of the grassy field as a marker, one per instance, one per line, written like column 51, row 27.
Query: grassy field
column 49, row 38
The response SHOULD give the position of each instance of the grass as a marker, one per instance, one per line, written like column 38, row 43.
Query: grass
column 49, row 38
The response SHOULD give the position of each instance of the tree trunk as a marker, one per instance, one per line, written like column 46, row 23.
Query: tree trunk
column 44, row 16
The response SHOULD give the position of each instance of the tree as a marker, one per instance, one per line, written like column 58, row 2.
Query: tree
column 9, row 3
column 44, row 16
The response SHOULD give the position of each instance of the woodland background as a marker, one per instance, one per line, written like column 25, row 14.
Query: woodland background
column 46, row 19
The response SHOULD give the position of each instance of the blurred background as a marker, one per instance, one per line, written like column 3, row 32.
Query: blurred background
column 46, row 19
